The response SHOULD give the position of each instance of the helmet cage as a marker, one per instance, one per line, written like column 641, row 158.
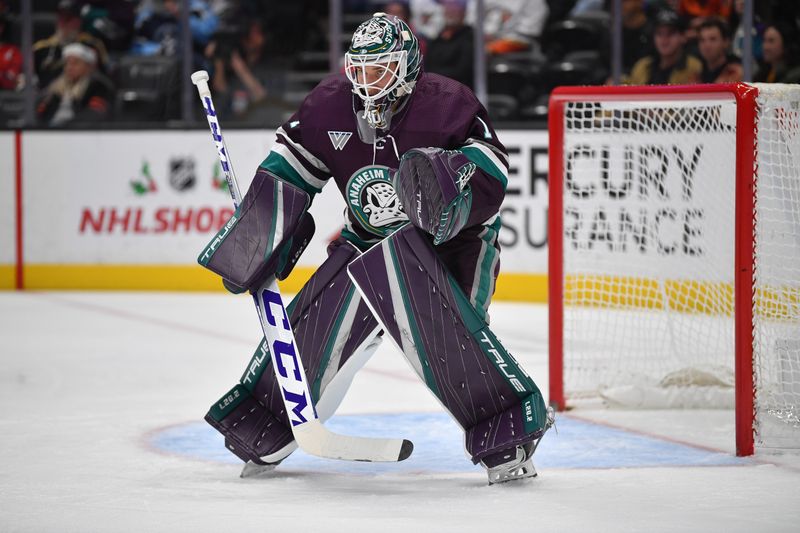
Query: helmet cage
column 368, row 74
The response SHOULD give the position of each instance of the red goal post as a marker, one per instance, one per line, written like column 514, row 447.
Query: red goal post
column 625, row 286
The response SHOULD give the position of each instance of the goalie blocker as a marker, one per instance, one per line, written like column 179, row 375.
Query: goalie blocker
column 453, row 351
column 264, row 237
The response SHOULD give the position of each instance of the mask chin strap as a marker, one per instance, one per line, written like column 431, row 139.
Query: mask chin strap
column 375, row 115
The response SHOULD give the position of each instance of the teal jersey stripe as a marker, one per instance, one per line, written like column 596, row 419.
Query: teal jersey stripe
column 328, row 350
column 485, row 164
column 278, row 165
column 486, row 277
column 360, row 243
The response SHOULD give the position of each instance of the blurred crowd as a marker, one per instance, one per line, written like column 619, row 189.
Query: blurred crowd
column 119, row 60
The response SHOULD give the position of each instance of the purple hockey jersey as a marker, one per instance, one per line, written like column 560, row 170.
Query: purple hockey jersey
column 324, row 139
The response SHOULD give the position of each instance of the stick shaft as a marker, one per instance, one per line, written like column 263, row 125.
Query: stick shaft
column 216, row 134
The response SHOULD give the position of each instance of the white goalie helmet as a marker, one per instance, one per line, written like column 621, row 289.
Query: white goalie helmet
column 382, row 63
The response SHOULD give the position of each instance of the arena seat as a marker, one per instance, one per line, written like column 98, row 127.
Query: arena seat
column 147, row 88
column 503, row 107
column 12, row 106
column 145, row 72
column 572, row 35
column 139, row 105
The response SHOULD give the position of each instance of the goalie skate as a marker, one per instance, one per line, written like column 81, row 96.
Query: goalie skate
column 255, row 470
column 517, row 462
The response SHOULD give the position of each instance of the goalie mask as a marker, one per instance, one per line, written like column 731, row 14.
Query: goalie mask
column 382, row 63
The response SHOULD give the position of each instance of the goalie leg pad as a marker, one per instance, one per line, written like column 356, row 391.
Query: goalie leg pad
column 257, row 241
column 335, row 333
column 251, row 431
column 449, row 345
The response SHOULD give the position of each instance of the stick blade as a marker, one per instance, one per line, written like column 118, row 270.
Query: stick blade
column 316, row 439
column 405, row 450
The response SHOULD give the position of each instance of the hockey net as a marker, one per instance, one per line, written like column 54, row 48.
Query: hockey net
column 675, row 252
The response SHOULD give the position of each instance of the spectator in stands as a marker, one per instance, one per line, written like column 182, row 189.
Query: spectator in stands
column 10, row 56
column 637, row 31
column 158, row 28
column 736, row 21
column 692, row 34
column 654, row 7
column 402, row 10
column 220, row 7
column 243, row 77
column 80, row 93
column 584, row 7
column 511, row 25
column 428, row 18
column 670, row 64
column 112, row 22
column 451, row 53
column 47, row 53
column 237, row 59
column 704, row 8
column 781, row 54
column 714, row 42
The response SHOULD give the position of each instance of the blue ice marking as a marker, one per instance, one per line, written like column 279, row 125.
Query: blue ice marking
column 439, row 448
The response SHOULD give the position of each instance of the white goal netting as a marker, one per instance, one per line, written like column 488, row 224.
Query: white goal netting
column 649, row 241
column 776, row 310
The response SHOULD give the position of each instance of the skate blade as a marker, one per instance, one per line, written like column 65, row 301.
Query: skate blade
column 516, row 476
column 523, row 471
column 253, row 470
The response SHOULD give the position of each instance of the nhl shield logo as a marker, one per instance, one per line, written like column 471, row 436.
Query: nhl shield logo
column 181, row 173
column 339, row 138
column 374, row 202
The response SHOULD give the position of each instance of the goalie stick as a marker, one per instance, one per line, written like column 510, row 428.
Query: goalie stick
column 309, row 433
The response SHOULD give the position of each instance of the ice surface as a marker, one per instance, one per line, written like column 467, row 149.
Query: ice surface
column 96, row 389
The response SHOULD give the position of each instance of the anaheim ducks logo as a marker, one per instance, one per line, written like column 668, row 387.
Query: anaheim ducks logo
column 372, row 199
column 375, row 33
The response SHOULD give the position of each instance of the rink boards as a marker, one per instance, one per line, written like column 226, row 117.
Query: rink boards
column 7, row 211
column 132, row 209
